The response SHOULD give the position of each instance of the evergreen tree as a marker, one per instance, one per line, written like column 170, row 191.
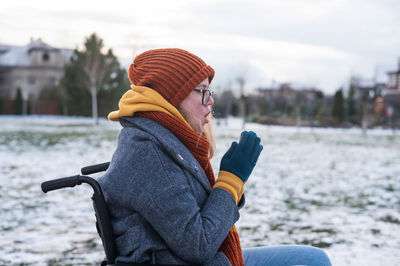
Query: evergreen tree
column 18, row 103
column 1, row 105
column 317, row 105
column 111, row 93
column 77, row 97
column 352, row 101
column 338, row 106
column 93, row 76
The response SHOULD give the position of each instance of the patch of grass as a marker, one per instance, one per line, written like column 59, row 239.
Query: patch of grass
column 295, row 204
column 37, row 138
column 21, row 140
column 276, row 227
column 390, row 219
column 91, row 243
column 248, row 229
column 390, row 188
column 315, row 243
column 12, row 167
column 360, row 201
column 69, row 251
column 7, row 228
column 330, row 231
column 317, row 203
column 375, row 231
column 56, row 262
column 391, row 138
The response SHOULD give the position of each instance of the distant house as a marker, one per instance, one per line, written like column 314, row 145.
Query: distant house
column 30, row 68
column 288, row 94
column 287, row 103
column 392, row 97
column 393, row 86
column 367, row 89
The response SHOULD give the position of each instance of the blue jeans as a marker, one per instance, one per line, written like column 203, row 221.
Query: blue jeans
column 285, row 256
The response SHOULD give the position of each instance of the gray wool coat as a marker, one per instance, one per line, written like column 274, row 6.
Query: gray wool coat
column 162, row 207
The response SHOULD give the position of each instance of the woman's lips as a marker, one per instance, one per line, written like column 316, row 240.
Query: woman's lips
column 206, row 118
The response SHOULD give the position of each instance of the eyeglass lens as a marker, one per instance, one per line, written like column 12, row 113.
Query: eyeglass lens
column 206, row 96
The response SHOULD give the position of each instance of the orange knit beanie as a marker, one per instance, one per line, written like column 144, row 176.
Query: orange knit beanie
column 172, row 72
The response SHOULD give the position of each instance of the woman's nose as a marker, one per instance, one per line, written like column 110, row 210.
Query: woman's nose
column 211, row 100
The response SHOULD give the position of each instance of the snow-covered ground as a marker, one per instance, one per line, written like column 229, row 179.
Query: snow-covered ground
column 332, row 188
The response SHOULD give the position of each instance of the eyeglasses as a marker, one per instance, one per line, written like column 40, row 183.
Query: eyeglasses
column 206, row 95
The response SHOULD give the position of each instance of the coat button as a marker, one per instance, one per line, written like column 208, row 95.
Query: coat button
column 180, row 157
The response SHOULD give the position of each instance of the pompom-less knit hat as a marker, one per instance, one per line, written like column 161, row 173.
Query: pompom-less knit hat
column 172, row 72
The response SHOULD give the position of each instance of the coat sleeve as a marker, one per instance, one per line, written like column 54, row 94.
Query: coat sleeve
column 156, row 187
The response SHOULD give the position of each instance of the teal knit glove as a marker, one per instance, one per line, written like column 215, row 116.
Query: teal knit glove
column 241, row 158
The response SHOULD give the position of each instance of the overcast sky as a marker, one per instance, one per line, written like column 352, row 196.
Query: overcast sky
column 317, row 43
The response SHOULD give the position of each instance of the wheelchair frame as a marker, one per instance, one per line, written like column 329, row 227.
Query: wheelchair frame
column 103, row 222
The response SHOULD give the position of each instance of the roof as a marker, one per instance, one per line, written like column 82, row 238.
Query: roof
column 19, row 55
column 393, row 72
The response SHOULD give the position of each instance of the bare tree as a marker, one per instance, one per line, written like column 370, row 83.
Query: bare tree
column 240, row 77
column 97, row 67
column 242, row 100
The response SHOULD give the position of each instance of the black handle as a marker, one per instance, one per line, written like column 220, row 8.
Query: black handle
column 54, row 184
column 95, row 168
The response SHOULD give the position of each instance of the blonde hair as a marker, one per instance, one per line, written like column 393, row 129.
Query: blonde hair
column 210, row 136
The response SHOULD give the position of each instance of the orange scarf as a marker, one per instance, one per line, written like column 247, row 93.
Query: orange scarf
column 199, row 147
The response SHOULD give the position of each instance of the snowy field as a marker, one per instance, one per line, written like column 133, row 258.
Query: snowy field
column 332, row 188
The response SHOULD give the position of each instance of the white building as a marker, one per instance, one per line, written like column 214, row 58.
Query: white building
column 394, row 81
column 30, row 68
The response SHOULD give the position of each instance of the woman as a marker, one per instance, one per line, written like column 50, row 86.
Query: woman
column 165, row 203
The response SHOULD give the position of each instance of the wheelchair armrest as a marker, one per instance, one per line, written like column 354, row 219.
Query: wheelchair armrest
column 88, row 170
column 59, row 183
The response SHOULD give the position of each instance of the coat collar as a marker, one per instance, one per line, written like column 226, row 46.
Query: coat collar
column 171, row 145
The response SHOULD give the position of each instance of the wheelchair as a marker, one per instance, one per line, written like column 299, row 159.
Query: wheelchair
column 103, row 222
